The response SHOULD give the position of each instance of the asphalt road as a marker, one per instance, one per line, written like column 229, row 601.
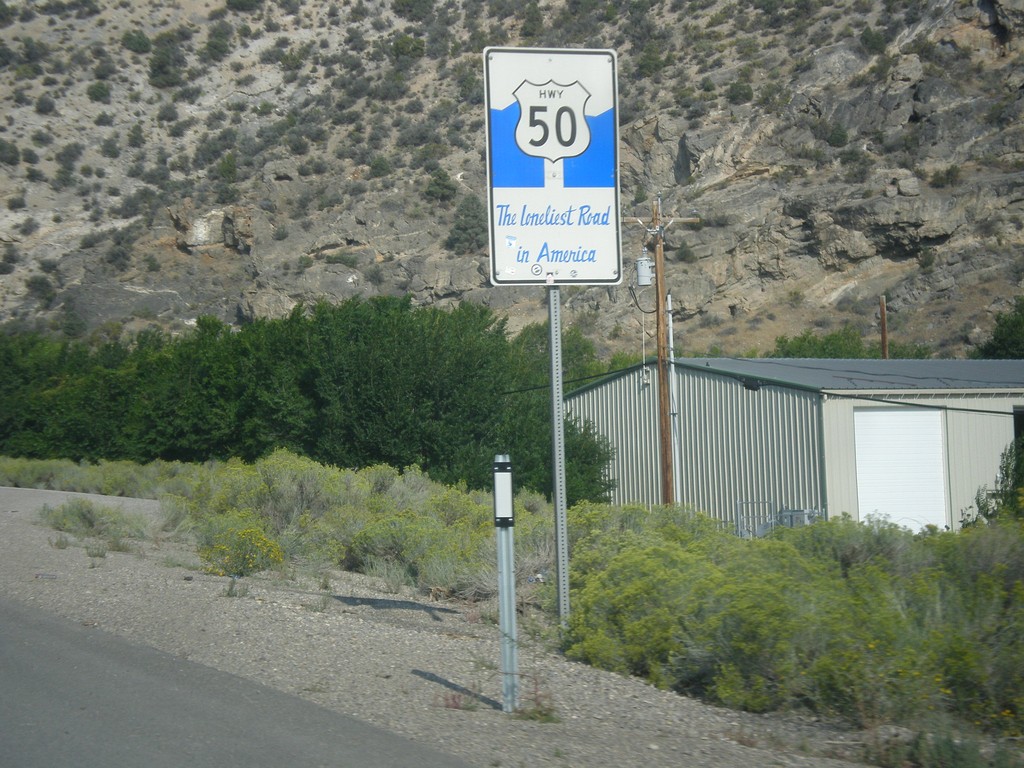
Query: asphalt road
column 76, row 696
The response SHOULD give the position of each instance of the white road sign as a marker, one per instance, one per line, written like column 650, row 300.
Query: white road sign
column 553, row 166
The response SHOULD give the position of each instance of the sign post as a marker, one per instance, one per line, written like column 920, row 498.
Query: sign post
column 553, row 198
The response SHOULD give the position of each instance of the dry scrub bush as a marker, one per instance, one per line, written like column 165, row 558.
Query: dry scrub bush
column 867, row 621
column 85, row 519
column 236, row 545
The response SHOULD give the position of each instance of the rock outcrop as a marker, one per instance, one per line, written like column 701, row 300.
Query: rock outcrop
column 873, row 154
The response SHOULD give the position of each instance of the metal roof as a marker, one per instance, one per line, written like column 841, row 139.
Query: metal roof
column 866, row 375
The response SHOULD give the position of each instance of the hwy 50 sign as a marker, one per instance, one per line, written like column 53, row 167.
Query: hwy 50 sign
column 553, row 166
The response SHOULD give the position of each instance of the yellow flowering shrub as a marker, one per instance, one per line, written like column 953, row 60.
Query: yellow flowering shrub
column 237, row 546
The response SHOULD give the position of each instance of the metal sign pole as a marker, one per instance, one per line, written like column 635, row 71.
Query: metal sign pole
column 553, row 198
column 558, row 453
column 677, row 445
column 503, row 525
column 664, row 423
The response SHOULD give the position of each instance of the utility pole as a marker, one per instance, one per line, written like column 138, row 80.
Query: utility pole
column 885, row 327
column 656, row 242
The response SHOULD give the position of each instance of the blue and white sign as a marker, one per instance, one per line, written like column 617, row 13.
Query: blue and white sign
column 553, row 166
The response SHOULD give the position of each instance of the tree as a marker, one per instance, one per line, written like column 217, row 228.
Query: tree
column 844, row 344
column 739, row 92
column 1007, row 498
column 277, row 404
column 414, row 10
column 357, row 384
column 469, row 228
column 406, row 386
column 527, row 417
column 186, row 408
column 167, row 62
column 32, row 364
column 136, row 41
column 1007, row 340
column 440, row 187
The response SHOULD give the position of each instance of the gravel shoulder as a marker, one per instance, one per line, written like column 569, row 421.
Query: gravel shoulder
column 425, row 670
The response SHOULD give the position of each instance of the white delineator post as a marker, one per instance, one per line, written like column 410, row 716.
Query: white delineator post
column 503, row 526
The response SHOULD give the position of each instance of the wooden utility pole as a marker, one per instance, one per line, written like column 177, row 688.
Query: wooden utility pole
column 656, row 242
column 885, row 327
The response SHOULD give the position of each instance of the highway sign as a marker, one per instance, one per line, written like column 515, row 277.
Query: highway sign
column 553, row 166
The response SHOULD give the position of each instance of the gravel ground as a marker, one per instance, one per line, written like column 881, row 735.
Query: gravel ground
column 425, row 670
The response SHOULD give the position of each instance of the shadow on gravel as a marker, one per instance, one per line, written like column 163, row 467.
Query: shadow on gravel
column 384, row 604
column 458, row 689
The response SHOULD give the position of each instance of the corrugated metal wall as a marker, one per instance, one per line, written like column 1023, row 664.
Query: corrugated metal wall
column 749, row 450
column 625, row 410
column 739, row 447
column 746, row 448
column 978, row 427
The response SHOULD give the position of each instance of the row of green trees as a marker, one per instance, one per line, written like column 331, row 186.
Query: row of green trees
column 350, row 385
column 1005, row 343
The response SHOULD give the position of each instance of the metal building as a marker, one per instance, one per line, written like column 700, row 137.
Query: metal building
column 762, row 442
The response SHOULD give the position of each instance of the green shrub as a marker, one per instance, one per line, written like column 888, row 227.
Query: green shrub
column 167, row 113
column 136, row 41
column 99, row 91
column 45, row 105
column 346, row 259
column 84, row 518
column 218, row 44
column 136, row 137
column 404, row 538
column 469, row 233
column 414, row 10
column 109, row 147
column 441, row 187
column 167, row 62
column 865, row 621
column 739, row 92
column 837, row 136
column 69, row 154
column 946, row 177
column 236, row 545
column 380, row 166
column 873, row 41
column 41, row 289
column 9, row 152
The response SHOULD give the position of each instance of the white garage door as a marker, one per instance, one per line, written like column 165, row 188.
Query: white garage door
column 900, row 467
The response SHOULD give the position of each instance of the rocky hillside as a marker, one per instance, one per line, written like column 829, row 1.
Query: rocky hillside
column 164, row 160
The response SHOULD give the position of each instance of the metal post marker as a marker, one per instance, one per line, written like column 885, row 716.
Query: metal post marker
column 503, row 526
